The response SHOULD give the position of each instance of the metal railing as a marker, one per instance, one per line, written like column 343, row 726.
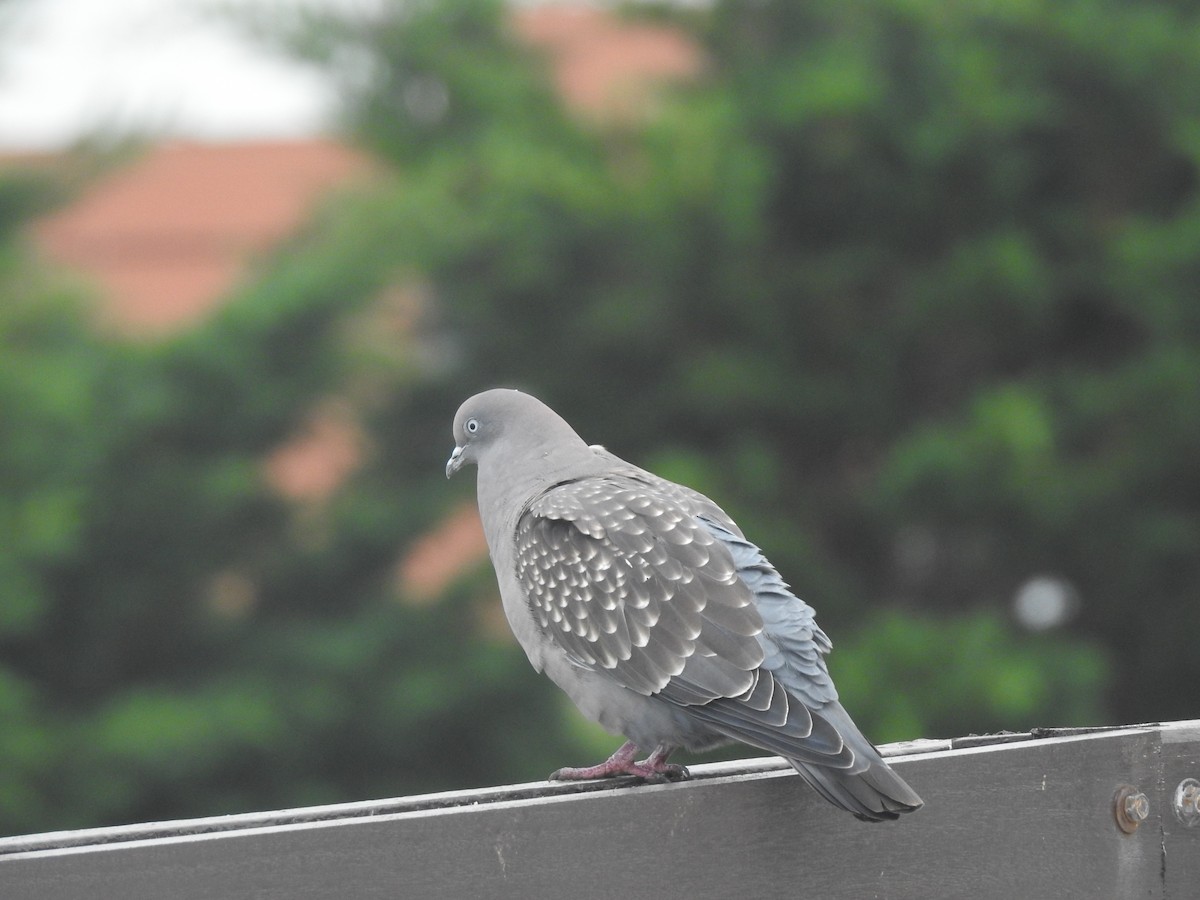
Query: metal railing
column 1057, row 813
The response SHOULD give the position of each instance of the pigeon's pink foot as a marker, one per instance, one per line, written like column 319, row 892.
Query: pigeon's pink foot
column 653, row 768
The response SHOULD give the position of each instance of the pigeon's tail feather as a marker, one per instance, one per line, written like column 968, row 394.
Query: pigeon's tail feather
column 874, row 795
column 868, row 787
column 828, row 751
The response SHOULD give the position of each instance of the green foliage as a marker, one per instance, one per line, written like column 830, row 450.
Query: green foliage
column 175, row 639
column 965, row 674
column 909, row 288
column 22, row 196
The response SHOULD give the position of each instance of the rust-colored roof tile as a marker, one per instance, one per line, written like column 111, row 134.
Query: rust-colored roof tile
column 438, row 558
column 313, row 463
column 605, row 66
column 168, row 236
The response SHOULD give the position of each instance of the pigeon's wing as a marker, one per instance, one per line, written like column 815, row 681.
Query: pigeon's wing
column 693, row 501
column 794, row 645
column 629, row 583
column 628, row 580
column 793, row 710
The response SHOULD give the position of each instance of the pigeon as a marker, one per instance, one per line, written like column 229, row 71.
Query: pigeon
column 644, row 602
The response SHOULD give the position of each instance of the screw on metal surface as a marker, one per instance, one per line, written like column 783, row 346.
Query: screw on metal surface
column 1187, row 802
column 1130, row 807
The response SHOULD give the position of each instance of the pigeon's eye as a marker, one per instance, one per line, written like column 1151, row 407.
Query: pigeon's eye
column 472, row 426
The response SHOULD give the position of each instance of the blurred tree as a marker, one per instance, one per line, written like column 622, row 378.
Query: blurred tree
column 174, row 638
column 906, row 287
column 909, row 288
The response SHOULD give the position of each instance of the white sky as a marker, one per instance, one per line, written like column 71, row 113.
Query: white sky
column 69, row 68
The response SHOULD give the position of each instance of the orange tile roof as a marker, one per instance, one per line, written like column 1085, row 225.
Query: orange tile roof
column 316, row 460
column 168, row 236
column 433, row 563
column 605, row 66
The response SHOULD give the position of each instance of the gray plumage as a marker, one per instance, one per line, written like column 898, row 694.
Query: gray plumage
column 646, row 604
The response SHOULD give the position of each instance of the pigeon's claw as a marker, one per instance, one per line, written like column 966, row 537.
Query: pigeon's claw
column 665, row 773
column 654, row 768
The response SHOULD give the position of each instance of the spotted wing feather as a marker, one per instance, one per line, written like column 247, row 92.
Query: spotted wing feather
column 627, row 581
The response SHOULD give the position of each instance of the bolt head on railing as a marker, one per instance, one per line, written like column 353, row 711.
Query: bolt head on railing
column 1131, row 808
column 1187, row 802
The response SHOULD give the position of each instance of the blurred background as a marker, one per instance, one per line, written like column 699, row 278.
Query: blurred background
column 910, row 288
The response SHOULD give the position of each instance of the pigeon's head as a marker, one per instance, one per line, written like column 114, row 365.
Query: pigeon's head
column 510, row 424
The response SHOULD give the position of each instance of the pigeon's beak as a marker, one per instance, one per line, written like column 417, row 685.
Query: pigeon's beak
column 455, row 462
